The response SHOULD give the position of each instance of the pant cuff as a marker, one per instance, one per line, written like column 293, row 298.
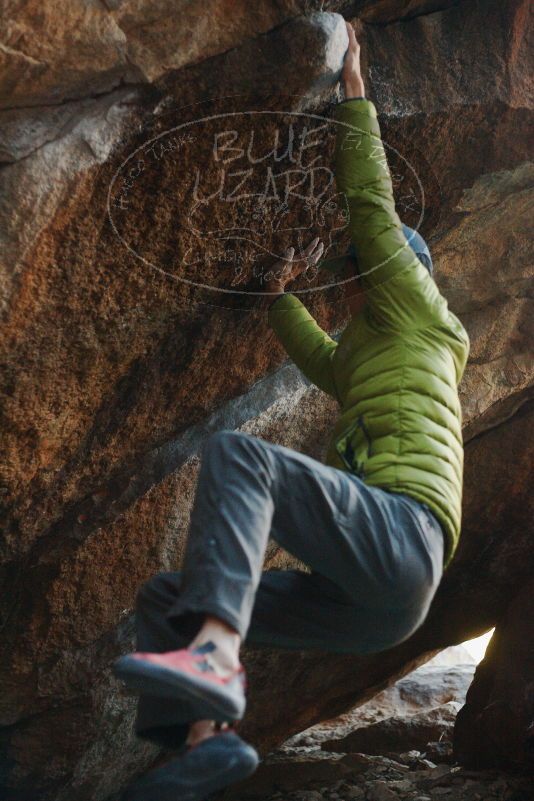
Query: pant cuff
column 211, row 591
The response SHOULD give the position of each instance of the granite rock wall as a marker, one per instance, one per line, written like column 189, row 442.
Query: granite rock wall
column 133, row 325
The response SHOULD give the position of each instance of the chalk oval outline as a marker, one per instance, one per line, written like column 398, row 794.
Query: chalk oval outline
column 238, row 114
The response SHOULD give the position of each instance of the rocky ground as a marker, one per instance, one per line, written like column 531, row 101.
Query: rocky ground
column 410, row 775
column 397, row 746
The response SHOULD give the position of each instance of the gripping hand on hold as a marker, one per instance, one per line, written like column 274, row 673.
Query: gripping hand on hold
column 290, row 267
column 351, row 74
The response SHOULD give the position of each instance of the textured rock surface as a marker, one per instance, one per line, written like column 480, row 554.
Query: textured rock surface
column 355, row 777
column 496, row 725
column 399, row 732
column 423, row 689
column 302, row 775
column 111, row 370
column 62, row 51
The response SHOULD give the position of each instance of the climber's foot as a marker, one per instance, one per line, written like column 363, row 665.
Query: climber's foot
column 192, row 674
column 203, row 769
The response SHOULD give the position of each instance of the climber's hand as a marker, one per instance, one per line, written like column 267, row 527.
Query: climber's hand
column 351, row 74
column 290, row 266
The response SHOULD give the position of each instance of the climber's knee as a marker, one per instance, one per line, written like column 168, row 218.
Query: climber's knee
column 227, row 440
column 224, row 446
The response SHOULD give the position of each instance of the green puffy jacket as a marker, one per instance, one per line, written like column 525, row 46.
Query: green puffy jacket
column 397, row 365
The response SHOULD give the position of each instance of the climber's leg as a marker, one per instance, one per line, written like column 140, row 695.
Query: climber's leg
column 163, row 720
column 306, row 611
column 383, row 549
column 166, row 721
column 169, row 722
column 229, row 529
column 292, row 610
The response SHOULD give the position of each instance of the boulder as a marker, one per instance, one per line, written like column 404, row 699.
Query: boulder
column 56, row 52
column 131, row 329
column 419, row 692
column 428, row 687
column 399, row 732
column 496, row 725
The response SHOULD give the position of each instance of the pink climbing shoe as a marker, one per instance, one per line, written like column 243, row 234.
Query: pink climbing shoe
column 188, row 674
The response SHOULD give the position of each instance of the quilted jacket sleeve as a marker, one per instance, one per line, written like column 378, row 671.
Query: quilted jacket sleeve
column 400, row 292
column 304, row 340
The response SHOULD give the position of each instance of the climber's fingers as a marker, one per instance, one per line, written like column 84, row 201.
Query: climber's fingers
column 354, row 45
column 290, row 267
column 351, row 65
column 310, row 248
column 317, row 253
column 309, row 256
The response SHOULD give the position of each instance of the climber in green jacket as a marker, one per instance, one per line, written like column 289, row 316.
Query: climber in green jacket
column 397, row 364
column 377, row 523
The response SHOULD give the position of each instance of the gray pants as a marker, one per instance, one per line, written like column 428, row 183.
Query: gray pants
column 376, row 560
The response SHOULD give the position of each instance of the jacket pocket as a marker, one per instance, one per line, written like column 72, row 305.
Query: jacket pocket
column 345, row 446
